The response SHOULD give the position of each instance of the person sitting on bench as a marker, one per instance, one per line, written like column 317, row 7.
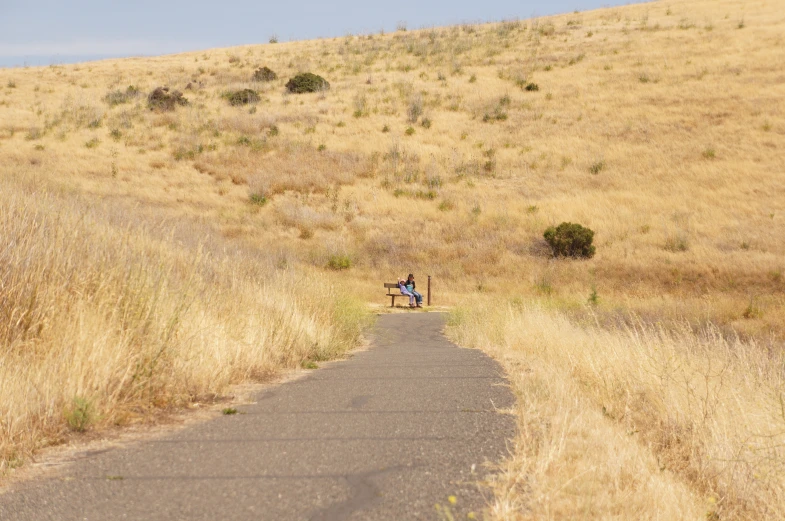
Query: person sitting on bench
column 405, row 291
column 411, row 287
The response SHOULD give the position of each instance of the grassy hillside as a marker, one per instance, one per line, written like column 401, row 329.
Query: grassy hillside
column 657, row 125
column 448, row 151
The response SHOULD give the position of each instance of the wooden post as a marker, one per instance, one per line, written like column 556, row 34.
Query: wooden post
column 429, row 290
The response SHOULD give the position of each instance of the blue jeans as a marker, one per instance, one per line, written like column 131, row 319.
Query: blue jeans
column 418, row 296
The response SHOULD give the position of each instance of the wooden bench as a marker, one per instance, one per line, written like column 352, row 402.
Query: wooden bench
column 389, row 286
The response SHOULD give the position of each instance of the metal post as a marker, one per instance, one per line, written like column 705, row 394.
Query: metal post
column 429, row 290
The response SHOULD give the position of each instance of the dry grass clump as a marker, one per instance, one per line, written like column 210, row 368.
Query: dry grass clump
column 101, row 319
column 289, row 167
column 627, row 420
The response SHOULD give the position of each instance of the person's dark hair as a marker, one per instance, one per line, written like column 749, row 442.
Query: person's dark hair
column 411, row 276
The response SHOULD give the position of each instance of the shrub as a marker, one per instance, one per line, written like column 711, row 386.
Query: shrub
column 258, row 199
column 570, row 240
column 307, row 82
column 339, row 262
column 306, row 232
column 753, row 310
column 426, row 123
column 264, row 74
column 163, row 101
column 414, row 111
column 498, row 114
column 532, row 87
column 33, row 134
column 677, row 243
column 594, row 297
column 80, row 415
column 241, row 97
column 446, row 205
column 597, row 167
column 360, row 106
column 118, row 97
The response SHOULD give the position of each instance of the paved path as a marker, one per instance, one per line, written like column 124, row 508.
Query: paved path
column 385, row 435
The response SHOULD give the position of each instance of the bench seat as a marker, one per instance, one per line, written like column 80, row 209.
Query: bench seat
column 389, row 286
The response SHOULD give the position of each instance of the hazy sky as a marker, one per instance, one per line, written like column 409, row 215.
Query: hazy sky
column 43, row 32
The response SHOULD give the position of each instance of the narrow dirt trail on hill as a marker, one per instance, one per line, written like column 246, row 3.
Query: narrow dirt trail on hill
column 385, row 435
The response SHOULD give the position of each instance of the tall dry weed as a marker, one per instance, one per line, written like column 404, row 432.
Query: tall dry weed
column 634, row 419
column 102, row 318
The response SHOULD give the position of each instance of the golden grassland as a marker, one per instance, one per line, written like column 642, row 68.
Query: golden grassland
column 660, row 126
column 657, row 125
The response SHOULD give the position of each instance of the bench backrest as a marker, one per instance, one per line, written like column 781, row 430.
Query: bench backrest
column 390, row 286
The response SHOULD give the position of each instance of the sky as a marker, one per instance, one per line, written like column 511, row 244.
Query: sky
column 46, row 32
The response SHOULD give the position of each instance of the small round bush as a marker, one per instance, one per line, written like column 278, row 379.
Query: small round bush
column 162, row 100
column 570, row 240
column 307, row 82
column 242, row 97
column 264, row 74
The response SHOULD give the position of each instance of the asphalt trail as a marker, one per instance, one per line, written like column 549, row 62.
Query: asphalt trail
column 383, row 436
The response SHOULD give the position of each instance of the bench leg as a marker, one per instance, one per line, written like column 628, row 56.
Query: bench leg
column 393, row 301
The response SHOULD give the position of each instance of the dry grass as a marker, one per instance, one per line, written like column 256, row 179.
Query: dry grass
column 659, row 126
column 635, row 421
column 102, row 319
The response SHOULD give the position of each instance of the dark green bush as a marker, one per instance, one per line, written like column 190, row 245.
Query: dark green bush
column 264, row 74
column 570, row 240
column 241, row 97
column 162, row 100
column 532, row 87
column 307, row 82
